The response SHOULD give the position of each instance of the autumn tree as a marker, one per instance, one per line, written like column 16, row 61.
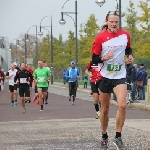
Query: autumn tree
column 44, row 51
column 88, row 31
column 143, row 44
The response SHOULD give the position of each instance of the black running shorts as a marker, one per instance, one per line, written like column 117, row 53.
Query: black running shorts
column 24, row 91
column 35, row 89
column 94, row 87
column 106, row 85
column 11, row 88
column 44, row 89
column 16, row 86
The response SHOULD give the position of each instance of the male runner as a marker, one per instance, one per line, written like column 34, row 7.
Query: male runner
column 23, row 78
column 109, row 49
column 1, row 78
column 72, row 74
column 41, row 77
column 10, row 75
column 94, row 79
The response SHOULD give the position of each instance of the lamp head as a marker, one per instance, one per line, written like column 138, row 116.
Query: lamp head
column 40, row 34
column 100, row 2
column 62, row 21
column 27, row 40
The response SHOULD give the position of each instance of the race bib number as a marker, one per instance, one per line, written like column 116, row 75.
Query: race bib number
column 23, row 80
column 41, row 79
column 114, row 68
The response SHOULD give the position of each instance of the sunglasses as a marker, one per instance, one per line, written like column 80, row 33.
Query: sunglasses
column 113, row 13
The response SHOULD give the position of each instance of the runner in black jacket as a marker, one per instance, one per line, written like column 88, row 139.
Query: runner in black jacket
column 23, row 78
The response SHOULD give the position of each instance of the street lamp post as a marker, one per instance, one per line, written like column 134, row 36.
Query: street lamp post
column 101, row 2
column 6, row 53
column 62, row 22
column 17, row 44
column 25, row 38
column 36, row 58
column 51, row 48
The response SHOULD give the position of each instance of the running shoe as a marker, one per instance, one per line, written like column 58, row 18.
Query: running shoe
column 73, row 103
column 28, row 101
column 38, row 104
column 34, row 99
column 69, row 98
column 104, row 143
column 12, row 103
column 24, row 111
column 97, row 116
column 41, row 109
column 46, row 102
column 119, row 144
column 15, row 103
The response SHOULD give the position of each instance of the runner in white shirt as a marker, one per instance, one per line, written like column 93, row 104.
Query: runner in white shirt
column 109, row 49
column 10, row 76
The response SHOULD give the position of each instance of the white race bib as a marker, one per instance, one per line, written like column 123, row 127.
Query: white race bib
column 23, row 80
column 114, row 68
column 41, row 79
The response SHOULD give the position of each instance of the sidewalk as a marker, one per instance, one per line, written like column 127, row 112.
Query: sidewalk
column 140, row 104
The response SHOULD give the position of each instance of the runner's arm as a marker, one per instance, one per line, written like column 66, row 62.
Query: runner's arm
column 97, row 59
column 7, row 75
column 67, row 74
column 35, row 76
column 16, row 77
column 31, row 77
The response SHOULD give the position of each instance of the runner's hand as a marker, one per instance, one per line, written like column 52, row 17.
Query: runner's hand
column 11, row 76
column 109, row 55
column 90, row 75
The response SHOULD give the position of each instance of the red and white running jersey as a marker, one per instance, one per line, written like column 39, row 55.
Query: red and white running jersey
column 96, row 76
column 104, row 42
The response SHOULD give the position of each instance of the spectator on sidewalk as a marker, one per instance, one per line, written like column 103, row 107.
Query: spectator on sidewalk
column 63, row 77
column 141, row 81
column 131, row 79
column 85, row 80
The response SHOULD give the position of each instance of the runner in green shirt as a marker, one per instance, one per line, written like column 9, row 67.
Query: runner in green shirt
column 41, row 77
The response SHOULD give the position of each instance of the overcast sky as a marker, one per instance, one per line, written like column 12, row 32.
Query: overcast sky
column 17, row 16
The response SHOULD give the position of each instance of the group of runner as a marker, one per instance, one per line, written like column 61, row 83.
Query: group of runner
column 108, row 74
column 22, row 79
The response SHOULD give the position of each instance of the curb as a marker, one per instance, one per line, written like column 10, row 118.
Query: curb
column 112, row 102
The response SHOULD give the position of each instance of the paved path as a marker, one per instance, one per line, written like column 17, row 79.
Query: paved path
column 62, row 126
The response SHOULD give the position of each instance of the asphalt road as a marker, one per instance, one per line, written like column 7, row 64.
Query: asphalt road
column 62, row 126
